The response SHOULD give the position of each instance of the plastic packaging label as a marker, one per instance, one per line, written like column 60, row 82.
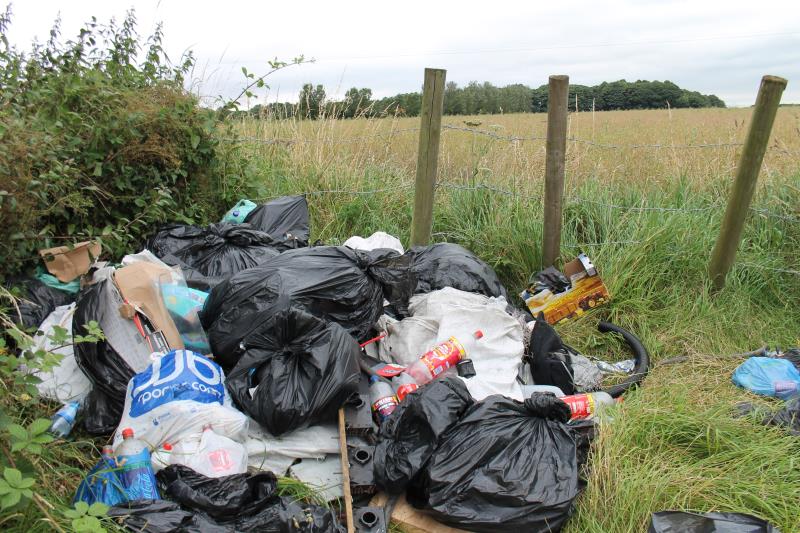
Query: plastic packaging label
column 137, row 476
column 385, row 407
column 581, row 405
column 179, row 375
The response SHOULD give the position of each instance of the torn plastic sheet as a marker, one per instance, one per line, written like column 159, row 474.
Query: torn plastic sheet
column 276, row 454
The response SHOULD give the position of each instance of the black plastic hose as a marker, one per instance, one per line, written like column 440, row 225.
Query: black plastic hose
column 640, row 355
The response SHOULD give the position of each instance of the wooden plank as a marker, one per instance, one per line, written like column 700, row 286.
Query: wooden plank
column 555, row 166
column 412, row 520
column 744, row 185
column 348, row 497
column 428, row 155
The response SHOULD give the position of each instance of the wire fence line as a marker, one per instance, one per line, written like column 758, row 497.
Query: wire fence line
column 497, row 136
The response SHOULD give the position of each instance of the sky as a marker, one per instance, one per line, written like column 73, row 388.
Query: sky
column 713, row 46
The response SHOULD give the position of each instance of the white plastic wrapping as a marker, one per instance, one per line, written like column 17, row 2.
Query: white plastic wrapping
column 379, row 239
column 276, row 454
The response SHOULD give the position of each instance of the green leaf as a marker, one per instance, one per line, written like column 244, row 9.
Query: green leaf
column 26, row 483
column 18, row 446
column 70, row 513
column 98, row 509
column 39, row 426
column 5, row 488
column 34, row 448
column 44, row 438
column 18, row 432
column 195, row 141
column 10, row 500
column 13, row 476
column 82, row 507
column 98, row 169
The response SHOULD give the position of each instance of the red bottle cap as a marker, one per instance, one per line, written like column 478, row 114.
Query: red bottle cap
column 478, row 334
column 127, row 433
column 167, row 446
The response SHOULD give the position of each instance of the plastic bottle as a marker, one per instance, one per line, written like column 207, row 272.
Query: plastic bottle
column 107, row 454
column 431, row 364
column 403, row 385
column 136, row 471
column 162, row 457
column 587, row 405
column 382, row 398
column 217, row 455
column 64, row 419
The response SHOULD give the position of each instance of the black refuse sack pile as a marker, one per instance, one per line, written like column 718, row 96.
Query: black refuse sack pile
column 284, row 321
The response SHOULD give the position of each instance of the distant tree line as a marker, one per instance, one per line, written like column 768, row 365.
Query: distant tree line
column 484, row 98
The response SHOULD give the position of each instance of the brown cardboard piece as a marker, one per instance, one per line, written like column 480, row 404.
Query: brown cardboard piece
column 137, row 283
column 411, row 520
column 69, row 262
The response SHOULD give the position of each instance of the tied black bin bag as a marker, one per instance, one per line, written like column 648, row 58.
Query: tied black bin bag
column 450, row 265
column 334, row 283
column 296, row 371
column 211, row 254
column 409, row 437
column 682, row 522
column 37, row 300
column 240, row 503
column 285, row 218
column 504, row 465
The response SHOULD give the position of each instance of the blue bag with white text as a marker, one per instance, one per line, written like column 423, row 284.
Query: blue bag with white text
column 175, row 397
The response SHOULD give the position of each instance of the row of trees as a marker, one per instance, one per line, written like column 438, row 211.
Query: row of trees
column 484, row 98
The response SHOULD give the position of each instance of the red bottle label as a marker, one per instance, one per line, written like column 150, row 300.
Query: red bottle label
column 443, row 356
column 405, row 390
column 581, row 405
column 384, row 407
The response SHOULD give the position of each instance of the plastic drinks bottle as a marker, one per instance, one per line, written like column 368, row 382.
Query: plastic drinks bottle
column 381, row 396
column 136, row 472
column 403, row 385
column 431, row 364
column 587, row 405
column 162, row 457
column 64, row 419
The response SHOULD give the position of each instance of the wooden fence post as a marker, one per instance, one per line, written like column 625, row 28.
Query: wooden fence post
column 554, row 167
column 428, row 155
column 724, row 253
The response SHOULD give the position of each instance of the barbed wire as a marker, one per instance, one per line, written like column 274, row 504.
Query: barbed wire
column 770, row 214
column 345, row 140
column 771, row 269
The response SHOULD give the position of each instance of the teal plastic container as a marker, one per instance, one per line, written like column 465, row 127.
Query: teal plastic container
column 239, row 212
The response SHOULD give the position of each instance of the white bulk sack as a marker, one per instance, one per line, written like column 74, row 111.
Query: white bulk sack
column 65, row 382
column 176, row 397
column 276, row 454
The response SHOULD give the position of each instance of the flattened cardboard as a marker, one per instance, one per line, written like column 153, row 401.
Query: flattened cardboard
column 68, row 263
column 138, row 284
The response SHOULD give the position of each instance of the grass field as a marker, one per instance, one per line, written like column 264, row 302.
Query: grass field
column 648, row 216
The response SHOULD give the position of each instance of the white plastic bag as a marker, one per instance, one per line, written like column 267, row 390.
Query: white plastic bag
column 406, row 340
column 176, row 397
column 276, row 454
column 496, row 355
column 65, row 382
column 377, row 240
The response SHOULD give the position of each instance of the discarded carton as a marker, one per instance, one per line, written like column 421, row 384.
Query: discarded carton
column 138, row 284
column 585, row 291
column 70, row 262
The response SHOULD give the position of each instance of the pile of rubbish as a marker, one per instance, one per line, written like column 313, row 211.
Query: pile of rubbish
column 236, row 354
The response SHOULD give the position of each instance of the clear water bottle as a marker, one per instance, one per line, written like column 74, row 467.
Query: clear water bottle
column 136, row 470
column 433, row 363
column 587, row 405
column 64, row 420
column 403, row 385
column 162, row 457
column 382, row 398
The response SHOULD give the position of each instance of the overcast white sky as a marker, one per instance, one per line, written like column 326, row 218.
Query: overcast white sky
column 713, row 46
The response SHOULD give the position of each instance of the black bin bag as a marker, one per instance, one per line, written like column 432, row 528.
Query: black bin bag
column 296, row 371
column 408, row 438
column 213, row 253
column 109, row 363
column 449, row 265
column 505, row 466
column 682, row 522
column 236, row 503
column 285, row 218
column 335, row 283
column 36, row 301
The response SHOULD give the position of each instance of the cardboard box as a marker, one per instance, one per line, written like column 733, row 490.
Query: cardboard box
column 586, row 292
column 69, row 262
column 138, row 284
